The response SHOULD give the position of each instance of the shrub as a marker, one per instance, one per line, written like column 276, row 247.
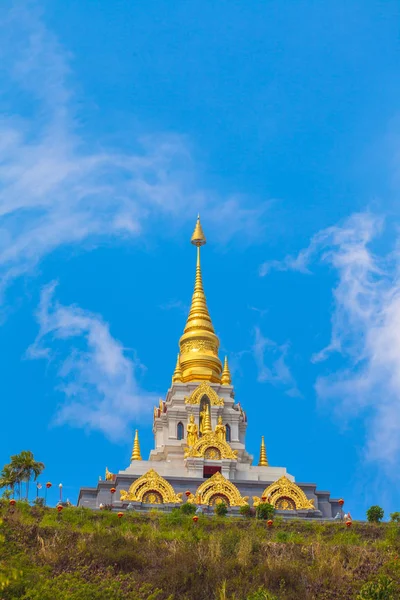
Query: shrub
column 221, row 509
column 375, row 514
column 245, row 511
column 382, row 589
column 261, row 594
column 395, row 517
column 71, row 586
column 265, row 511
column 188, row 508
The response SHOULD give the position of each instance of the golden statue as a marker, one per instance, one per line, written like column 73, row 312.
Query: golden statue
column 109, row 476
column 203, row 414
column 192, row 434
column 220, row 430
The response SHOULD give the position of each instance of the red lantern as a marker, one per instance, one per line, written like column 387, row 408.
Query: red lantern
column 48, row 485
column 195, row 519
column 12, row 502
column 187, row 493
column 341, row 502
column 269, row 522
column 113, row 490
column 263, row 498
column 59, row 508
column 120, row 514
column 348, row 523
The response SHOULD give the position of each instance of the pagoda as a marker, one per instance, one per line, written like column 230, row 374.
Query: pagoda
column 199, row 453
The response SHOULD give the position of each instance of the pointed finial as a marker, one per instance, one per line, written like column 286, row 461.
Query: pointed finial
column 177, row 376
column 199, row 345
column 207, row 421
column 136, row 448
column 263, row 462
column 226, row 374
column 198, row 238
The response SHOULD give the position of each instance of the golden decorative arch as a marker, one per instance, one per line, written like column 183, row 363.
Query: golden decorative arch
column 218, row 489
column 209, row 444
column 204, row 389
column 151, row 488
column 286, row 495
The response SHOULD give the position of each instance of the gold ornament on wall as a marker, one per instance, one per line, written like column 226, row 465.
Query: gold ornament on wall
column 211, row 440
column 285, row 495
column 192, row 432
column 148, row 485
column 204, row 389
column 218, row 489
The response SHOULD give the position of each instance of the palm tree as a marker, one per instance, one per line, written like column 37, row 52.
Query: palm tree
column 7, row 478
column 25, row 467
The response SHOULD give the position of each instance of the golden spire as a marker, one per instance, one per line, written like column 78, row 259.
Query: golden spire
column 136, row 448
column 177, row 376
column 226, row 374
column 263, row 462
column 199, row 345
column 206, row 421
column 198, row 238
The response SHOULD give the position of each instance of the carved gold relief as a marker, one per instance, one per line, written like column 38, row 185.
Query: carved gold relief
column 204, row 389
column 212, row 454
column 197, row 345
column 210, row 442
column 218, row 489
column 285, row 495
column 151, row 488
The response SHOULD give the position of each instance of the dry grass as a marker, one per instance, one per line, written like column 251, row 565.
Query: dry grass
column 96, row 556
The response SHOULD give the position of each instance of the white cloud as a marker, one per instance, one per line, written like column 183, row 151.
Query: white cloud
column 365, row 330
column 267, row 352
column 98, row 378
column 57, row 189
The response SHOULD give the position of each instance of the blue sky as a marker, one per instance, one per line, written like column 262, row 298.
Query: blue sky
column 279, row 122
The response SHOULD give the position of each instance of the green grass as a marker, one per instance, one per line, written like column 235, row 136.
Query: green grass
column 86, row 555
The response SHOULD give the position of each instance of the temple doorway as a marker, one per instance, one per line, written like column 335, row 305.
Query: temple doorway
column 209, row 471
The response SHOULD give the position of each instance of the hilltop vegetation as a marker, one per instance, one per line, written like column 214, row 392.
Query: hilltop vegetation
column 85, row 555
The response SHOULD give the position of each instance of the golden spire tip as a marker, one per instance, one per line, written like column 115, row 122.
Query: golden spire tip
column 226, row 374
column 136, row 448
column 177, row 376
column 198, row 238
column 263, row 462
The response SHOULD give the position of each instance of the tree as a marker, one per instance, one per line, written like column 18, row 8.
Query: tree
column 221, row 509
column 8, row 479
column 22, row 467
column 395, row 517
column 188, row 508
column 265, row 511
column 245, row 511
column 375, row 514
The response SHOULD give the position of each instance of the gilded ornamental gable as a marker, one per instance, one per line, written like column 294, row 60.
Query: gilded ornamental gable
column 212, row 447
column 204, row 389
column 218, row 489
column 152, row 488
column 286, row 495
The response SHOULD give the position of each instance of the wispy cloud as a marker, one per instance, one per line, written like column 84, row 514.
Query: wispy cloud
column 56, row 188
column 175, row 305
column 98, row 378
column 271, row 361
column 261, row 311
column 365, row 330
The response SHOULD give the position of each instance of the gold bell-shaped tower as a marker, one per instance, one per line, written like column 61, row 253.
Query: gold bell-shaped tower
column 199, row 345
